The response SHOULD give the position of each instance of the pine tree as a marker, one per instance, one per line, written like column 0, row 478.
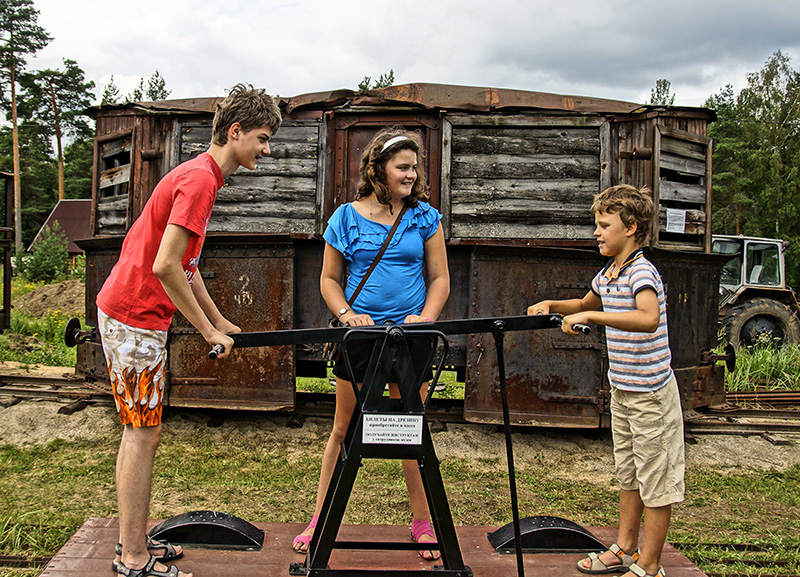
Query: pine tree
column 757, row 158
column 21, row 36
column 661, row 95
column 382, row 82
column 57, row 99
column 110, row 93
column 157, row 87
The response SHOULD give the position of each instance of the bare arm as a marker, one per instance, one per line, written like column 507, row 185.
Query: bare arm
column 167, row 267
column 438, row 277
column 644, row 319
column 210, row 308
column 330, row 285
column 589, row 302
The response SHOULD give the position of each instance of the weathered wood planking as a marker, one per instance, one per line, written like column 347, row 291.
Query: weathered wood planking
column 114, row 176
column 570, row 190
column 524, row 181
column 114, row 147
column 683, row 184
column 682, row 192
column 693, row 150
column 522, row 230
column 112, row 212
column 683, row 164
column 279, row 196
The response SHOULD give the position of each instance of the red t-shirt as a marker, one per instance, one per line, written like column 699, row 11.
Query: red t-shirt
column 132, row 294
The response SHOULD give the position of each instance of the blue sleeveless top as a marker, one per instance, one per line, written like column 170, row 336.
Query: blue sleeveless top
column 396, row 288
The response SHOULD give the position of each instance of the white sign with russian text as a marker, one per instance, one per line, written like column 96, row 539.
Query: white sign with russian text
column 392, row 429
column 676, row 220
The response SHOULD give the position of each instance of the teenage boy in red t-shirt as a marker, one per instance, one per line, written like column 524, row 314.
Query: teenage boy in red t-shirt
column 156, row 275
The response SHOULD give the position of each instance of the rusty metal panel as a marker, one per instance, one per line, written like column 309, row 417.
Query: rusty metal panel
column 91, row 361
column 691, row 283
column 252, row 283
column 6, row 245
column 453, row 97
column 101, row 256
column 553, row 379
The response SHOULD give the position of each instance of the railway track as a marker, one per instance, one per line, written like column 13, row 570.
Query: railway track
column 760, row 413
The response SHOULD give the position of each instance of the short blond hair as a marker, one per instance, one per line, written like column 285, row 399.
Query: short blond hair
column 252, row 108
column 633, row 205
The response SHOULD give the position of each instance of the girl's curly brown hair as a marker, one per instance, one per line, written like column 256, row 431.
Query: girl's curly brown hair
column 373, row 166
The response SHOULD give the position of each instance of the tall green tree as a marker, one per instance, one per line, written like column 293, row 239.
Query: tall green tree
column 110, row 93
column 21, row 37
column 383, row 81
column 757, row 157
column 39, row 176
column 57, row 99
column 78, row 168
column 154, row 89
column 662, row 94
column 730, row 182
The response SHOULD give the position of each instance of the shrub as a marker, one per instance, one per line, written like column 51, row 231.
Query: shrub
column 49, row 260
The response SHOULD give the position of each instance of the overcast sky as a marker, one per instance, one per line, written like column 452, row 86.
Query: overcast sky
column 613, row 49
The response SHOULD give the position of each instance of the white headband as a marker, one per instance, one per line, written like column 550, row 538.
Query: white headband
column 393, row 140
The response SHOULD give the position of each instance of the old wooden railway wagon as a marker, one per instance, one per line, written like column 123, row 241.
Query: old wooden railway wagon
column 513, row 174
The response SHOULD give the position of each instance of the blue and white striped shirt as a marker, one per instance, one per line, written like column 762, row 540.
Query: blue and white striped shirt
column 636, row 361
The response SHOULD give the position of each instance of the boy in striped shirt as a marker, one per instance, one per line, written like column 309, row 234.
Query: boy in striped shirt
column 646, row 415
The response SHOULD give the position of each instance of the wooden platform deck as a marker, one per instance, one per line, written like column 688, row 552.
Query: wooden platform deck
column 89, row 553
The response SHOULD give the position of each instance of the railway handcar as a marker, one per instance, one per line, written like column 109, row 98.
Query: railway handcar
column 513, row 173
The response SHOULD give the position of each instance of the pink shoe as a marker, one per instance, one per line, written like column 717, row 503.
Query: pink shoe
column 420, row 528
column 304, row 540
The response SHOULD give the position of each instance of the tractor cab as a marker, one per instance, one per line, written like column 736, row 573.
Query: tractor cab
column 755, row 262
column 755, row 305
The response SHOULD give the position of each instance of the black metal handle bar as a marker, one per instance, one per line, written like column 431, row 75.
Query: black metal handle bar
column 452, row 327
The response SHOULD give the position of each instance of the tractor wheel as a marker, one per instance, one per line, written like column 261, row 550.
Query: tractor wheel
column 760, row 321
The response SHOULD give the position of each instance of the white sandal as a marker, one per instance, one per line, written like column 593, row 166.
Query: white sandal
column 598, row 567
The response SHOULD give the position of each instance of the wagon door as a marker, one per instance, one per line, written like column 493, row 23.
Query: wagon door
column 253, row 287
column 518, row 190
column 249, row 268
column 553, row 379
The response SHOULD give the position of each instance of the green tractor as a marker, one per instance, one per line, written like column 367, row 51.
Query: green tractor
column 756, row 307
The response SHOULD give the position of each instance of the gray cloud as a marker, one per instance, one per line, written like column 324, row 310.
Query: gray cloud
column 613, row 49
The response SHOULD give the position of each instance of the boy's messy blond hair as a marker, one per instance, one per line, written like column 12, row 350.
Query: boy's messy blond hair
column 250, row 107
column 633, row 205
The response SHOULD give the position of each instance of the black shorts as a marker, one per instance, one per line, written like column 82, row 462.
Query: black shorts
column 360, row 351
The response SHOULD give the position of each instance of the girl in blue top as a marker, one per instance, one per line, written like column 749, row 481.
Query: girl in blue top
column 396, row 291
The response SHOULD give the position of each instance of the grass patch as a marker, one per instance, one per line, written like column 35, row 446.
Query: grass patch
column 765, row 367
column 452, row 390
column 33, row 340
column 47, row 492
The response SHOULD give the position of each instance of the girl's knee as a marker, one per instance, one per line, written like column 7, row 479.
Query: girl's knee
column 338, row 434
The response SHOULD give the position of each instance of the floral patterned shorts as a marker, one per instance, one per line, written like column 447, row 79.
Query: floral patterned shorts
column 136, row 360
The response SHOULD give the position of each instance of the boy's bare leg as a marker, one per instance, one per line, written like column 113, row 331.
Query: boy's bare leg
column 656, row 524
column 630, row 519
column 134, row 476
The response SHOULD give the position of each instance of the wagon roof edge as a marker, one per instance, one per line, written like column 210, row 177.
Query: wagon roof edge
column 421, row 94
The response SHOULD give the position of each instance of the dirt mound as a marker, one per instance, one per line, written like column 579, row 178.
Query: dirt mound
column 67, row 297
